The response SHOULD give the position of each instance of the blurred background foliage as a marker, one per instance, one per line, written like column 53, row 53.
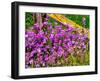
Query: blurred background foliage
column 78, row 19
column 29, row 20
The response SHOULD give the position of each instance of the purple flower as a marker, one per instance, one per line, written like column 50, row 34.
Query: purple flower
column 31, row 61
column 84, row 46
column 37, row 65
column 60, row 51
column 39, row 50
column 45, row 23
column 45, row 47
column 36, row 27
column 45, row 40
column 46, row 57
column 58, row 28
column 26, row 66
column 69, row 43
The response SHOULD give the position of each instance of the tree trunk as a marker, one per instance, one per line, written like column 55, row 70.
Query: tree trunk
column 39, row 19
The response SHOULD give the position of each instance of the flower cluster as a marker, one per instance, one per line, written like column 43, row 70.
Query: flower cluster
column 51, row 45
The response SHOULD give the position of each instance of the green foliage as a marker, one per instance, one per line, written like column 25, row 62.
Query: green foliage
column 72, row 61
column 75, row 61
column 86, row 61
column 51, row 21
column 75, row 18
column 78, row 19
column 28, row 19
